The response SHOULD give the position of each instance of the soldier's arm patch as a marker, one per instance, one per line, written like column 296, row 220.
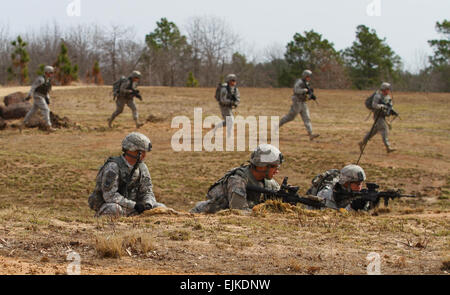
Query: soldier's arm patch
column 239, row 191
column 110, row 178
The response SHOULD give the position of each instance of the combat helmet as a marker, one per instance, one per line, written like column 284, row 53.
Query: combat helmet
column 135, row 74
column 351, row 173
column 136, row 141
column 231, row 77
column 306, row 73
column 385, row 86
column 49, row 69
column 266, row 154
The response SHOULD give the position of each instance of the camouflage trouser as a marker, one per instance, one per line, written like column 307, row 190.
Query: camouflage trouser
column 215, row 203
column 120, row 104
column 298, row 107
column 114, row 209
column 39, row 104
column 382, row 127
column 226, row 112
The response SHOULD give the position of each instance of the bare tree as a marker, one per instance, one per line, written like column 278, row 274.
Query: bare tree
column 5, row 50
column 213, row 41
column 110, row 46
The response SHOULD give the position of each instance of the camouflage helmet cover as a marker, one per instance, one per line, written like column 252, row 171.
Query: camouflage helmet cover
column 136, row 74
column 266, row 154
column 385, row 86
column 351, row 173
column 231, row 77
column 306, row 73
column 48, row 69
column 136, row 141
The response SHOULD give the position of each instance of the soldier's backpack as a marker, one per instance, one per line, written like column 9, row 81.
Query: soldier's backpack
column 219, row 89
column 369, row 101
column 117, row 84
column 321, row 180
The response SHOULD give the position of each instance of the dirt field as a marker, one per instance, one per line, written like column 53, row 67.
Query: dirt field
column 45, row 180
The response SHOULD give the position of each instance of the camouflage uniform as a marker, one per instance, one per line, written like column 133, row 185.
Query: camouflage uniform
column 327, row 184
column 40, row 92
column 379, row 104
column 226, row 103
column 299, row 105
column 230, row 192
column 112, row 196
column 126, row 97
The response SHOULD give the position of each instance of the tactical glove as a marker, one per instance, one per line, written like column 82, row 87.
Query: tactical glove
column 139, row 208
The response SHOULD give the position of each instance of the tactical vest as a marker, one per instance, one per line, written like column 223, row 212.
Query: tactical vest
column 329, row 177
column 96, row 198
column 230, row 94
column 238, row 170
column 44, row 88
column 301, row 97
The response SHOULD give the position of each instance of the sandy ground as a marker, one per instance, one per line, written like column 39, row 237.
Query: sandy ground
column 46, row 179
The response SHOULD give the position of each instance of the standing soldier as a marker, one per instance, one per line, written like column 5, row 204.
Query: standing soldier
column 382, row 107
column 230, row 192
column 228, row 96
column 40, row 90
column 125, row 95
column 302, row 92
column 123, row 185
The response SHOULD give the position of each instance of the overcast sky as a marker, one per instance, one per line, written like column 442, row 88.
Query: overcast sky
column 406, row 24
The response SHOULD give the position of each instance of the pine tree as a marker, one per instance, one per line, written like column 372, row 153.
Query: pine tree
column 65, row 72
column 370, row 60
column 20, row 59
column 96, row 74
column 191, row 81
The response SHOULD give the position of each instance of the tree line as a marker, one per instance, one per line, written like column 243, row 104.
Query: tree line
column 207, row 51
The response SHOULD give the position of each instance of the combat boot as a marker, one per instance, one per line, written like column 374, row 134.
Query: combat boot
column 110, row 122
column 312, row 136
column 139, row 125
column 21, row 126
column 50, row 129
column 390, row 150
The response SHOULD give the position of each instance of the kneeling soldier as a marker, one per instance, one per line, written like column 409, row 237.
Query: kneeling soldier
column 123, row 185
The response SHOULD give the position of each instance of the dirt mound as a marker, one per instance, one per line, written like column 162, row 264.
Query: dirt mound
column 155, row 119
column 2, row 124
column 14, row 98
column 15, row 111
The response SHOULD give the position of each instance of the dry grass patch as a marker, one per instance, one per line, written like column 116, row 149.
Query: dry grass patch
column 118, row 245
column 274, row 206
column 179, row 235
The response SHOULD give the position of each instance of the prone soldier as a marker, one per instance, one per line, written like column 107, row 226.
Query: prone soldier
column 230, row 191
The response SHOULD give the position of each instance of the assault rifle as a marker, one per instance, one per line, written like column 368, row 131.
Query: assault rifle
column 287, row 194
column 312, row 96
column 234, row 100
column 368, row 198
column 135, row 93
column 389, row 110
